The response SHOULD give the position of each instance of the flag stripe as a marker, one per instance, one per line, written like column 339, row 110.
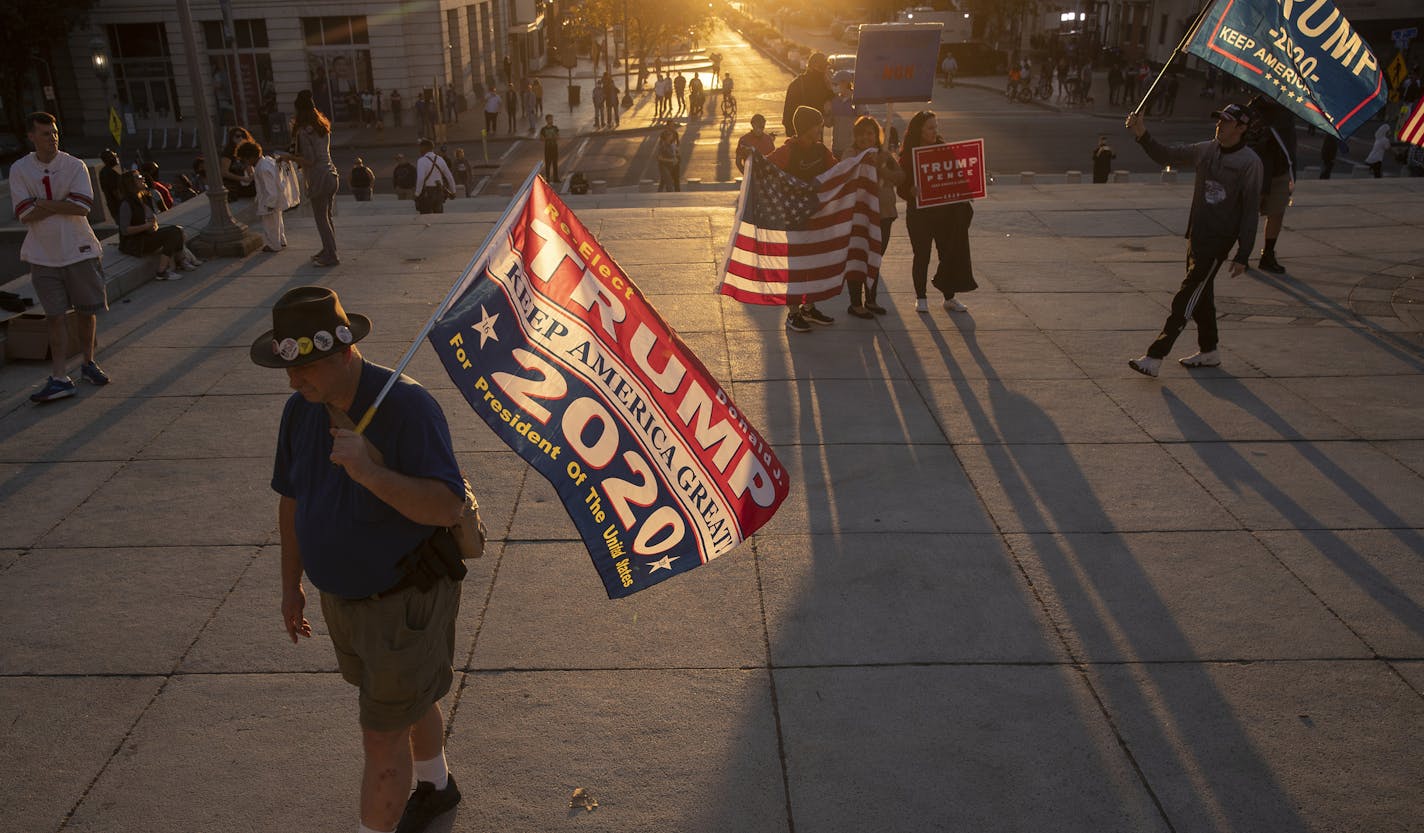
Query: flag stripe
column 791, row 242
column 1413, row 131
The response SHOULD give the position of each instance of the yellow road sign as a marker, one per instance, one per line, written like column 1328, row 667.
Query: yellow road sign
column 116, row 126
column 1396, row 72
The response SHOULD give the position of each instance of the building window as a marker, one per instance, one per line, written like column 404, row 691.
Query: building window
column 487, row 30
column 241, row 71
column 143, row 71
column 472, row 26
column 456, row 49
column 1162, row 31
column 338, row 64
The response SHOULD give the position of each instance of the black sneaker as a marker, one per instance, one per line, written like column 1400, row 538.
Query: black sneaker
column 93, row 374
column 1270, row 264
column 797, row 324
column 815, row 316
column 426, row 804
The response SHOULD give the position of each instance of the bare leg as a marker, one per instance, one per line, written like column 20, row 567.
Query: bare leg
column 58, row 345
column 88, row 334
column 1273, row 225
column 427, row 736
column 385, row 781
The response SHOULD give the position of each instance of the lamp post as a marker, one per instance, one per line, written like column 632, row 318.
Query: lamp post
column 99, row 59
column 627, row 59
column 224, row 236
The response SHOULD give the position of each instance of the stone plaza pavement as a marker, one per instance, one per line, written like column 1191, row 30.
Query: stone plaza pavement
column 1016, row 587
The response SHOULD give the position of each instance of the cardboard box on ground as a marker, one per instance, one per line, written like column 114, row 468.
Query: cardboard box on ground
column 27, row 336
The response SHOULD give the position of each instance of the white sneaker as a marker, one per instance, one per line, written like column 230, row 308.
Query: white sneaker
column 1211, row 358
column 1146, row 365
column 954, row 306
column 170, row 275
column 921, row 305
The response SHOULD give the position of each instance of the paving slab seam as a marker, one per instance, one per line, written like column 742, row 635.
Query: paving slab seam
column 475, row 638
column 1392, row 665
column 167, row 678
column 771, row 687
column 1043, row 606
column 1075, row 661
column 1255, row 534
column 1385, row 447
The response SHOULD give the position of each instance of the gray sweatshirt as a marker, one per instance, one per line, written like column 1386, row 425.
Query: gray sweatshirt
column 1227, row 195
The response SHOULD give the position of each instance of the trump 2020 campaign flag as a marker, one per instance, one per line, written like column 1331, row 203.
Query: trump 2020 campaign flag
column 792, row 238
column 554, row 346
column 1302, row 53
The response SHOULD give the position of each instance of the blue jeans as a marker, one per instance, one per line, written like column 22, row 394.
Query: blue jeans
column 322, row 192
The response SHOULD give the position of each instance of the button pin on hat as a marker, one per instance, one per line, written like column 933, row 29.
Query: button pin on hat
column 303, row 323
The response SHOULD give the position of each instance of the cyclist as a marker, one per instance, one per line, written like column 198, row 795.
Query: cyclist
column 755, row 139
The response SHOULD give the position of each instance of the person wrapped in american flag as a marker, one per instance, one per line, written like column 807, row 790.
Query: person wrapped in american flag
column 803, row 228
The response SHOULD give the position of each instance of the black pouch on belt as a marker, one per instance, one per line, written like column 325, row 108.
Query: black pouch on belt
column 434, row 558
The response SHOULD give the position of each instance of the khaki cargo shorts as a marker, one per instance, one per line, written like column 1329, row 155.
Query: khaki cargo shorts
column 397, row 649
column 1276, row 200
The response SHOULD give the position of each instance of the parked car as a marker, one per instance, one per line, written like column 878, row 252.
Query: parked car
column 975, row 57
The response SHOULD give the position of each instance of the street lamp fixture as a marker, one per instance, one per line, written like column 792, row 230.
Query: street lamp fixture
column 99, row 57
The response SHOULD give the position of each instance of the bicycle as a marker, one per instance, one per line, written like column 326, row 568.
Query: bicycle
column 1045, row 88
column 729, row 107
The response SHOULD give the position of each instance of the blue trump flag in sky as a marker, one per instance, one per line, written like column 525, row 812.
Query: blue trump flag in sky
column 1302, row 53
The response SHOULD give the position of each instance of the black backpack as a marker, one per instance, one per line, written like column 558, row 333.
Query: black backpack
column 403, row 177
column 578, row 183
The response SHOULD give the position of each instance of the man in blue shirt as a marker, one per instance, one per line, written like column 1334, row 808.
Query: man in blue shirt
column 364, row 516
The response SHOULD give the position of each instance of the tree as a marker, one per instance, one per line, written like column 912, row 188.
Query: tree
column 25, row 33
column 662, row 23
column 591, row 20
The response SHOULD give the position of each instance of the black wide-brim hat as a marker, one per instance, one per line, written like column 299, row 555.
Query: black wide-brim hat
column 308, row 324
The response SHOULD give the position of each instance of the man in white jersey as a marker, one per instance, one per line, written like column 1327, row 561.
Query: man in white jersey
column 52, row 196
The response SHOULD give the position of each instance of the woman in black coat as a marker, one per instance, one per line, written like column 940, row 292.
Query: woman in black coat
column 946, row 227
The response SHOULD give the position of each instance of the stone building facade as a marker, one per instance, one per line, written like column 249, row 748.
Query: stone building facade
column 261, row 53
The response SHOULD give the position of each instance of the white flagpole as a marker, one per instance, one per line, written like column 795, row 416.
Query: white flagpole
column 449, row 297
column 736, row 222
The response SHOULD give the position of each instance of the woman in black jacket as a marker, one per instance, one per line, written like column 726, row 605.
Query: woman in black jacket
column 946, row 227
column 140, row 234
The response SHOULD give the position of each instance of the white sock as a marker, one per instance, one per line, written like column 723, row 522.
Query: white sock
column 361, row 828
column 435, row 771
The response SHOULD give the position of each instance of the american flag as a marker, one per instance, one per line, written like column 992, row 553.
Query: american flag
column 803, row 239
column 1413, row 131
